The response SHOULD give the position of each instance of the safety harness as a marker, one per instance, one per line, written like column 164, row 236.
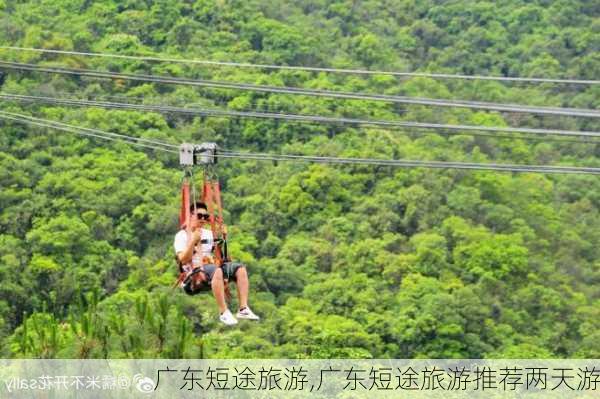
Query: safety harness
column 191, row 275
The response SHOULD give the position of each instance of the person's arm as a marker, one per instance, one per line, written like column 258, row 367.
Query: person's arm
column 185, row 256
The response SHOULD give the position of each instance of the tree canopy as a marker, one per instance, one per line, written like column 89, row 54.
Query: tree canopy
column 344, row 261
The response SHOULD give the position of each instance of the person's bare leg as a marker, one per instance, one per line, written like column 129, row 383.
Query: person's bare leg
column 241, row 277
column 218, row 289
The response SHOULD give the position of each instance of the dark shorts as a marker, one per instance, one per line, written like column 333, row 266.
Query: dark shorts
column 229, row 271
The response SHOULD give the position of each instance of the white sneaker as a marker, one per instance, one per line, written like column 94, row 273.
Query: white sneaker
column 247, row 314
column 227, row 318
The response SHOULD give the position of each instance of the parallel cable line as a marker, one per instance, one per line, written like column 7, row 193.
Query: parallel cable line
column 140, row 142
column 412, row 163
column 576, row 112
column 309, row 69
column 315, row 159
column 461, row 129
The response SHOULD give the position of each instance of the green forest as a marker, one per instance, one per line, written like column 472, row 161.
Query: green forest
column 345, row 261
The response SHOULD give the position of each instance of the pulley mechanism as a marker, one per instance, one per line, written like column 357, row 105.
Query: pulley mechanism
column 198, row 154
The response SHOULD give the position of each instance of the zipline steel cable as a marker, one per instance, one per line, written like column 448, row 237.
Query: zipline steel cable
column 576, row 112
column 140, row 142
column 463, row 129
column 412, row 163
column 307, row 68
column 315, row 159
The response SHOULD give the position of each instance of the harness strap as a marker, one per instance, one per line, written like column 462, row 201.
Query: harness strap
column 184, row 213
column 211, row 196
column 222, row 249
column 180, row 279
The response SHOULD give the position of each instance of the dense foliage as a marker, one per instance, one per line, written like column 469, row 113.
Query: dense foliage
column 350, row 261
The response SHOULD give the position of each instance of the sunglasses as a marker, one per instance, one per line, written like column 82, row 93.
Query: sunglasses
column 204, row 216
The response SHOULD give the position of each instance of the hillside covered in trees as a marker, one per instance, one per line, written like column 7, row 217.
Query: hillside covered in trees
column 344, row 261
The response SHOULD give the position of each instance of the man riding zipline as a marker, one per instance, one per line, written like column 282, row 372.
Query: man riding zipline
column 200, row 271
